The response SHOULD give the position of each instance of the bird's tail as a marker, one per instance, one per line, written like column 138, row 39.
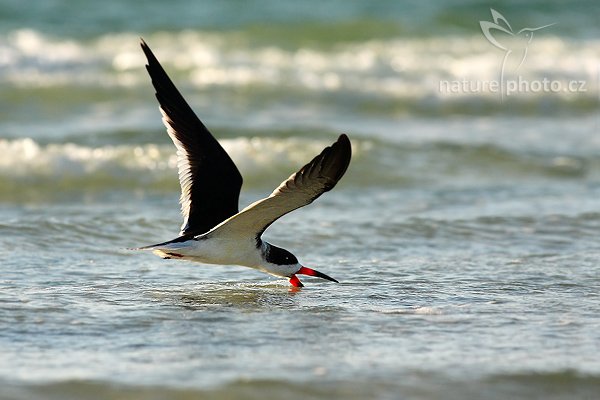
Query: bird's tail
column 167, row 249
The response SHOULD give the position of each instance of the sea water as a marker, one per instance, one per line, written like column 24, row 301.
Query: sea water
column 465, row 234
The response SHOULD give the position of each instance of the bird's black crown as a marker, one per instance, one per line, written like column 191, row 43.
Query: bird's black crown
column 277, row 255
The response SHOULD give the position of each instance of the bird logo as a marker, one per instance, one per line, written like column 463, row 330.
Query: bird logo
column 514, row 44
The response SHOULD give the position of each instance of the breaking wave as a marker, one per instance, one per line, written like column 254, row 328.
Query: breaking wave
column 383, row 75
column 29, row 167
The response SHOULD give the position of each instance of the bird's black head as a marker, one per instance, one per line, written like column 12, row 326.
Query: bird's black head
column 277, row 255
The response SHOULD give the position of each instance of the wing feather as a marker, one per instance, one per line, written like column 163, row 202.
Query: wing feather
column 301, row 188
column 210, row 182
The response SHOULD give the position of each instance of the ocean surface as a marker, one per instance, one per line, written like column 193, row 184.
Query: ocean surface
column 465, row 234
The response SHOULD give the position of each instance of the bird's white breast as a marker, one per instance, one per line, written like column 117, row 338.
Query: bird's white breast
column 217, row 250
column 225, row 251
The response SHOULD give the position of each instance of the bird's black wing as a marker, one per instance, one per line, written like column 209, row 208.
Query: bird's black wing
column 210, row 181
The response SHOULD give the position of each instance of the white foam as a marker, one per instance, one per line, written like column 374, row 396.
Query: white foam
column 25, row 157
column 255, row 157
column 401, row 67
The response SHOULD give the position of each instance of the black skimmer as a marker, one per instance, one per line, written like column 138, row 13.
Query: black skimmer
column 214, row 231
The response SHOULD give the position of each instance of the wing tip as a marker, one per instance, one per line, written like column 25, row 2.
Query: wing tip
column 150, row 57
column 340, row 156
column 344, row 142
column 331, row 163
column 343, row 138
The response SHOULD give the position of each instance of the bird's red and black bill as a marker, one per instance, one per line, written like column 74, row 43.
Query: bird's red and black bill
column 310, row 272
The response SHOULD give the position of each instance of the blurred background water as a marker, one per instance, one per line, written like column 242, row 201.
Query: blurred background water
column 464, row 235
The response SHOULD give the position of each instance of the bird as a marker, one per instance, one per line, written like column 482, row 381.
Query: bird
column 214, row 230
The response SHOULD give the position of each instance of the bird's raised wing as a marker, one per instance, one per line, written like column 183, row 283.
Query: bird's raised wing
column 210, row 181
column 302, row 188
